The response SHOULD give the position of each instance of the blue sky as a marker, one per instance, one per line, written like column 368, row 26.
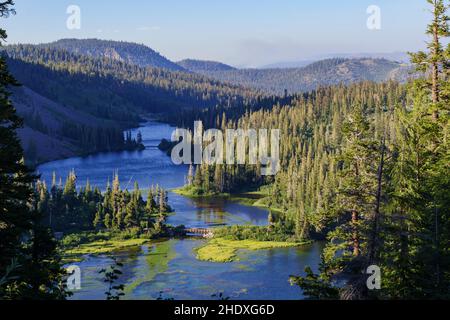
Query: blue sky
column 238, row 32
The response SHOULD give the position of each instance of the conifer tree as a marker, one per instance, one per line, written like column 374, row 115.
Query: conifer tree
column 151, row 204
column 190, row 178
column 218, row 178
column 108, row 221
column 206, row 186
column 15, row 178
column 43, row 272
column 198, row 179
column 163, row 205
column 436, row 61
column 27, row 252
column 391, row 208
column 419, row 208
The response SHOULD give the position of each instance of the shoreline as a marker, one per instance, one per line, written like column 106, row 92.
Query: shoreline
column 222, row 250
column 219, row 250
column 243, row 198
column 146, row 119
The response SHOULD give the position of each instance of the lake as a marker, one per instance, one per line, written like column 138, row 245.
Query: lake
column 169, row 268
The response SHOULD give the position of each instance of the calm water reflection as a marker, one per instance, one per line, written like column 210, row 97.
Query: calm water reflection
column 178, row 274
column 170, row 266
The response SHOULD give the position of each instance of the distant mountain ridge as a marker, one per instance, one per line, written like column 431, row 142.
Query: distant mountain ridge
column 204, row 65
column 74, row 104
column 302, row 76
column 320, row 73
column 79, row 95
column 288, row 64
column 128, row 52
column 401, row 57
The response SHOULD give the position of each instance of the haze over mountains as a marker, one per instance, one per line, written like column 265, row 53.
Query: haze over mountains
column 76, row 91
column 305, row 76
column 100, row 87
column 321, row 73
column 401, row 57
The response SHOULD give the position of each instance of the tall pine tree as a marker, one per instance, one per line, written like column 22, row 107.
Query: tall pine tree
column 28, row 259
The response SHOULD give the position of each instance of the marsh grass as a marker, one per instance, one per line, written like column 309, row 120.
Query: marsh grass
column 225, row 250
column 101, row 247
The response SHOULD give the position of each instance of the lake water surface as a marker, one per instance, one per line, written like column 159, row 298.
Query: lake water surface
column 170, row 266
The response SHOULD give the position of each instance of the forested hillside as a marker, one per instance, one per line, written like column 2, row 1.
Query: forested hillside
column 366, row 166
column 127, row 52
column 121, row 90
column 359, row 167
column 312, row 138
column 321, row 73
column 100, row 97
column 53, row 131
column 204, row 66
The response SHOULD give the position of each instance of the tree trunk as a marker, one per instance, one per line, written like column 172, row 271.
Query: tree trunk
column 355, row 233
column 355, row 218
column 437, row 245
column 435, row 72
column 376, row 217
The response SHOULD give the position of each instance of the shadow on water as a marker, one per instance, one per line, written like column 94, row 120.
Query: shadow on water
column 174, row 270
column 170, row 266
